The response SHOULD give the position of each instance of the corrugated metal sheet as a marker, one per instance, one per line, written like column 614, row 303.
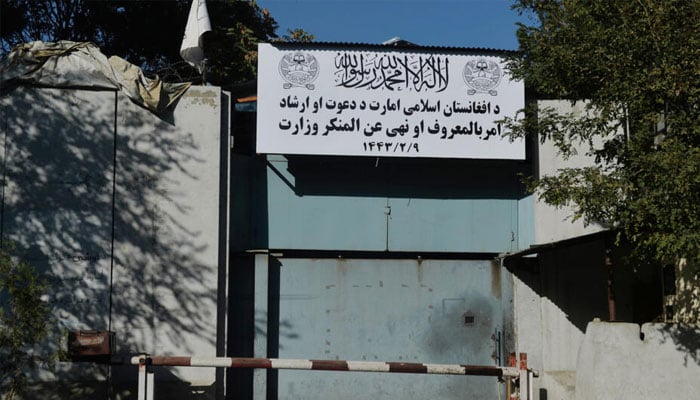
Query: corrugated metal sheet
column 412, row 47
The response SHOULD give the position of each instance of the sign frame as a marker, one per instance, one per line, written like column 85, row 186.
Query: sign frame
column 385, row 102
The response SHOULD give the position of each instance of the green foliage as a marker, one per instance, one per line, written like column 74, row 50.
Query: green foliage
column 238, row 27
column 296, row 36
column 23, row 323
column 146, row 33
column 636, row 67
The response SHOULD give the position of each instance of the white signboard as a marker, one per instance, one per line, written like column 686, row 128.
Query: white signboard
column 388, row 103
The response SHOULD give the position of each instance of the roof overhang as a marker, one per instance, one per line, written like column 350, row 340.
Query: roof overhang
column 527, row 258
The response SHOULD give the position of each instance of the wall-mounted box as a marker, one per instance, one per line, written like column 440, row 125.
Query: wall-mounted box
column 90, row 345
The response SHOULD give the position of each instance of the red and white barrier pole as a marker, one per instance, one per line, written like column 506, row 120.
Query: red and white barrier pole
column 146, row 384
column 326, row 365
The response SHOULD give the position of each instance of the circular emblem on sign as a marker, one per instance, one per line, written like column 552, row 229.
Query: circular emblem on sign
column 299, row 69
column 482, row 76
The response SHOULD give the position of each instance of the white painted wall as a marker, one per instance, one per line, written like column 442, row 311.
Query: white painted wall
column 166, row 250
column 616, row 362
column 545, row 303
column 553, row 224
column 584, row 360
column 161, row 243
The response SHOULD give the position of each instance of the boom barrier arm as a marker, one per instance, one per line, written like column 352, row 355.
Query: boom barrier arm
column 146, row 383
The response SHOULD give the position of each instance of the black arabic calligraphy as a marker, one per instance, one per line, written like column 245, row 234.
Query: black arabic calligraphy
column 392, row 72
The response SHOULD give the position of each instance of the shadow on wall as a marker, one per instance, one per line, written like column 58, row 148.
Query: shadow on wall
column 248, row 324
column 107, row 246
column 686, row 339
column 160, row 230
column 406, row 177
column 685, row 295
column 574, row 279
column 167, row 386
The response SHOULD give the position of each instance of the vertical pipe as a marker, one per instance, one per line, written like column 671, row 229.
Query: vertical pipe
column 524, row 389
column 512, row 362
column 110, row 388
column 612, row 308
column 142, row 379
column 150, row 385
column 224, row 231
column 524, row 377
column 260, row 350
column 499, row 348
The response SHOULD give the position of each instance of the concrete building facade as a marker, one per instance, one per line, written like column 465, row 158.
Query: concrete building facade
column 171, row 231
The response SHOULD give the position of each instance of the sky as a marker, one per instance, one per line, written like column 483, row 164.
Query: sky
column 452, row 23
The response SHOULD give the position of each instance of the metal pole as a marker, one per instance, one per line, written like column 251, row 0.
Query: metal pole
column 150, row 385
column 146, row 382
column 324, row 365
column 524, row 378
column 612, row 308
column 523, row 389
column 142, row 378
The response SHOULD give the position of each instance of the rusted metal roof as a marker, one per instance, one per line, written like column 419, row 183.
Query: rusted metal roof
column 247, row 99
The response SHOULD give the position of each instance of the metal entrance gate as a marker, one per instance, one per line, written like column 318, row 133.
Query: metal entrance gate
column 369, row 309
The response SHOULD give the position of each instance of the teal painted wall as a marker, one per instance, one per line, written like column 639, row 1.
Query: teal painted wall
column 372, row 259
column 526, row 222
column 368, row 204
column 398, row 310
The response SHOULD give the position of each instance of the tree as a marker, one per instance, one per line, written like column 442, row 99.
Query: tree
column 146, row 33
column 636, row 64
column 232, row 49
column 297, row 36
column 24, row 323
